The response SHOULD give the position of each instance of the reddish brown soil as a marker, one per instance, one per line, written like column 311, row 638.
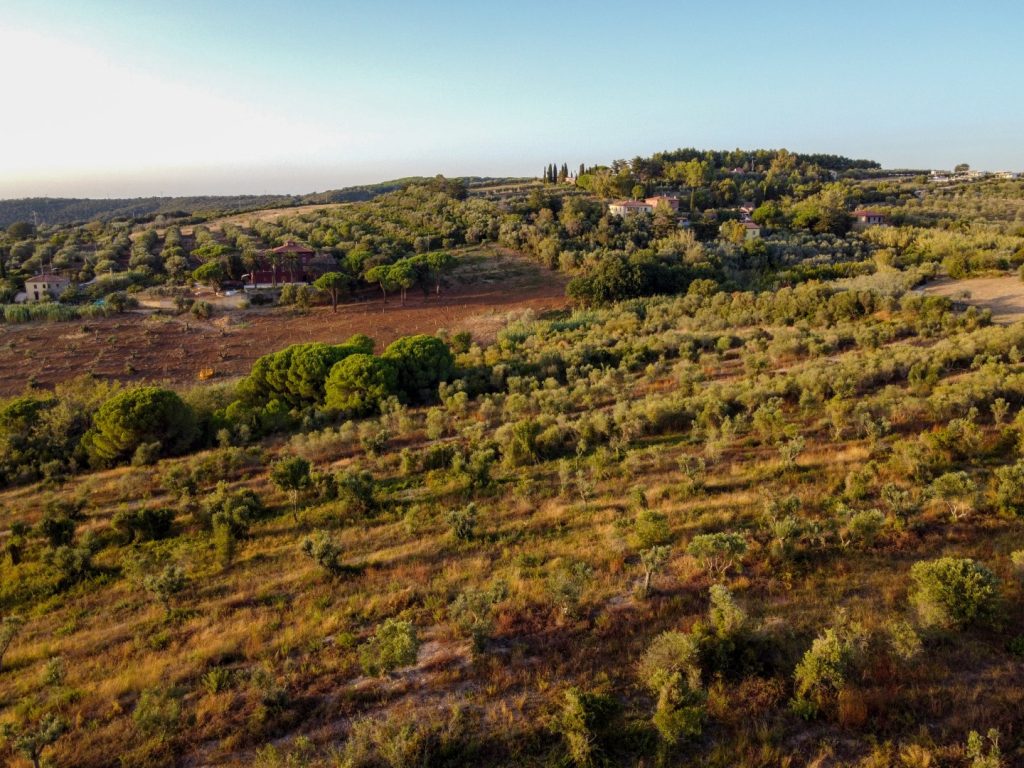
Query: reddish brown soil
column 174, row 349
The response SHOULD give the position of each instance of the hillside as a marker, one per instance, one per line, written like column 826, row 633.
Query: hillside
column 587, row 490
column 62, row 211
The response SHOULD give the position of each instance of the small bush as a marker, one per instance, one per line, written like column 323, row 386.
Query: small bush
column 952, row 592
column 395, row 644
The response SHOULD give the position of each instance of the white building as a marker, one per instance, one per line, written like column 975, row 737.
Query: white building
column 45, row 286
column 626, row 208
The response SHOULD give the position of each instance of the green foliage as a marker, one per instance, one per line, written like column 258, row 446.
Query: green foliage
column 291, row 474
column 652, row 528
column 585, row 724
column 211, row 273
column 57, row 528
column 144, row 523
column 566, row 585
column 166, row 585
column 327, row 553
column 157, row 714
column 825, row 667
column 30, row 738
column 472, row 612
column 140, row 416
column 421, row 363
column 357, row 492
column 462, row 522
column 1008, row 494
column 394, row 644
column 718, row 553
column 979, row 757
column 953, row 593
column 10, row 628
column 297, row 374
column 360, row 383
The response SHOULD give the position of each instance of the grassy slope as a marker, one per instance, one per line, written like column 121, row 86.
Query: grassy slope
column 273, row 611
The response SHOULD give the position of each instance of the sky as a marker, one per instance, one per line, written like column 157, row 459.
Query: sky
column 120, row 99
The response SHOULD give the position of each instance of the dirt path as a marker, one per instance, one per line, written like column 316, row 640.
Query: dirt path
column 157, row 347
column 1004, row 294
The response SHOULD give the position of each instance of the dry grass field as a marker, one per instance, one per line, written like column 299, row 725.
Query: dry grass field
column 1004, row 295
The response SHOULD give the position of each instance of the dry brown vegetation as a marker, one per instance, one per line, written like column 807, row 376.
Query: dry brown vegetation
column 258, row 662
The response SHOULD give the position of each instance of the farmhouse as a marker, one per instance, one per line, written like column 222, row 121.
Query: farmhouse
column 45, row 286
column 288, row 263
column 626, row 208
column 671, row 202
column 863, row 218
column 751, row 231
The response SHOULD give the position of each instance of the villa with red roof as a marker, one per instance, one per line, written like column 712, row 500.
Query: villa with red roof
column 288, row 263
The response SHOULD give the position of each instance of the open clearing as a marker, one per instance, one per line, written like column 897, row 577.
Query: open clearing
column 1004, row 294
column 174, row 349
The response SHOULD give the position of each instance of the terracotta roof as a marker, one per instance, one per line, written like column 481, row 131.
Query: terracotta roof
column 631, row 204
column 292, row 247
column 46, row 277
column 751, row 225
column 866, row 212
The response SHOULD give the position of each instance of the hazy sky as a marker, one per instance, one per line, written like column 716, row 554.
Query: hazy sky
column 104, row 98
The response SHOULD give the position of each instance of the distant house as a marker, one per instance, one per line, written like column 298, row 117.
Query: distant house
column 671, row 202
column 288, row 263
column 751, row 231
column 863, row 218
column 45, row 286
column 626, row 208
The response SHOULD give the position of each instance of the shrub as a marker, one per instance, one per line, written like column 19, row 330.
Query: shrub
column 157, row 714
column 358, row 385
column 394, row 644
column 357, row 492
column 671, row 654
column 463, row 522
column 584, row 722
column 993, row 758
column 1008, row 493
column 566, row 585
column 718, row 553
column 138, row 416
column 326, row 553
column 473, row 613
column 652, row 528
column 823, row 671
column 953, row 592
column 144, row 524
column 669, row 669
column 166, row 585
column 10, row 628
column 58, row 529
column 291, row 474
column 31, row 738
column 70, row 564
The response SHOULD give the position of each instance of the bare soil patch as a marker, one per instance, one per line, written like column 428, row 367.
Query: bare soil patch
column 146, row 346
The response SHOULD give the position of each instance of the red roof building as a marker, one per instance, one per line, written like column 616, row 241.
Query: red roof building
column 288, row 263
